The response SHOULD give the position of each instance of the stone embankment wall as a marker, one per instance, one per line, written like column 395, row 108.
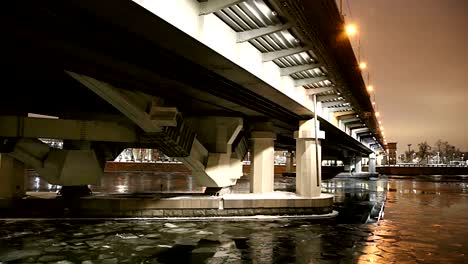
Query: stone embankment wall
column 414, row 171
column 166, row 207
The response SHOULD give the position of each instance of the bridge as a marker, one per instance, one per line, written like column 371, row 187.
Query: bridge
column 203, row 81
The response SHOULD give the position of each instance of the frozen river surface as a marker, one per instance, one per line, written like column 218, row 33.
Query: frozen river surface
column 425, row 221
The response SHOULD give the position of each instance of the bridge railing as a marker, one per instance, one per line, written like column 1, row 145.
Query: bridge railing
column 423, row 165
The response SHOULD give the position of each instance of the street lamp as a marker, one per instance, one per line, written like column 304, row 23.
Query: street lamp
column 370, row 88
column 362, row 65
column 351, row 30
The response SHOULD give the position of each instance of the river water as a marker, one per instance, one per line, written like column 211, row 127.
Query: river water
column 423, row 221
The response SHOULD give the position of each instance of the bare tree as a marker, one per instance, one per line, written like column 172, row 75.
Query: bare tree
column 424, row 152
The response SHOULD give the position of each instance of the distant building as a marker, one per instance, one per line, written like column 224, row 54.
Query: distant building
column 391, row 151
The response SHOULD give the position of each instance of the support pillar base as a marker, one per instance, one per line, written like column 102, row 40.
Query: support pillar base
column 12, row 177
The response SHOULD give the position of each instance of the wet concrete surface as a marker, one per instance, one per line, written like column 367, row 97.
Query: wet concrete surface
column 424, row 221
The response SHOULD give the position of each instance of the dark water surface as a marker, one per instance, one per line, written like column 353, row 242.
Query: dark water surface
column 424, row 221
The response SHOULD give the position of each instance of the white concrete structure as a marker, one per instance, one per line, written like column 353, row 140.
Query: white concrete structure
column 12, row 177
column 289, row 161
column 308, row 158
column 372, row 163
column 262, row 161
column 358, row 164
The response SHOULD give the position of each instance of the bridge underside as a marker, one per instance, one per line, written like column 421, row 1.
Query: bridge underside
column 132, row 49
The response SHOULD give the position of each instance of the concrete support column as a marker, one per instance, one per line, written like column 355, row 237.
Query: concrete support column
column 348, row 163
column 372, row 162
column 262, row 161
column 289, row 162
column 358, row 164
column 308, row 158
column 12, row 177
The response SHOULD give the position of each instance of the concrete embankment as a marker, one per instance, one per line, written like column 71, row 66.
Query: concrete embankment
column 420, row 170
column 278, row 203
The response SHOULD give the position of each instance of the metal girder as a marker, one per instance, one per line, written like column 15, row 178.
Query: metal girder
column 341, row 108
column 329, row 104
column 301, row 82
column 212, row 6
column 293, row 69
column 322, row 98
column 319, row 90
column 259, row 32
column 273, row 55
column 88, row 130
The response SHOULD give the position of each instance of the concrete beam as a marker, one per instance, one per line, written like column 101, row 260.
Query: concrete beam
column 346, row 117
column 345, row 121
column 364, row 133
column 212, row 6
column 269, row 56
column 322, row 98
column 354, row 126
column 329, row 104
column 131, row 104
column 300, row 68
column 336, row 109
column 67, row 129
column 301, row 82
column 339, row 114
column 359, row 130
column 260, row 32
column 319, row 90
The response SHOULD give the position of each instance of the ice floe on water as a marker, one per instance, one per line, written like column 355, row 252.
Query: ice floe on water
column 169, row 225
column 126, row 236
column 202, row 232
column 164, row 246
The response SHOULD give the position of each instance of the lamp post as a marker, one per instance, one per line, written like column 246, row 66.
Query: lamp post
column 409, row 152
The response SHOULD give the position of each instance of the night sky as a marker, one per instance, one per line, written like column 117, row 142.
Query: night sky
column 417, row 52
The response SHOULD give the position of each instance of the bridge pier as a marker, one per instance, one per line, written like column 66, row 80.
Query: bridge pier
column 358, row 164
column 308, row 158
column 348, row 163
column 226, row 146
column 262, row 162
column 12, row 177
column 372, row 163
column 289, row 162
